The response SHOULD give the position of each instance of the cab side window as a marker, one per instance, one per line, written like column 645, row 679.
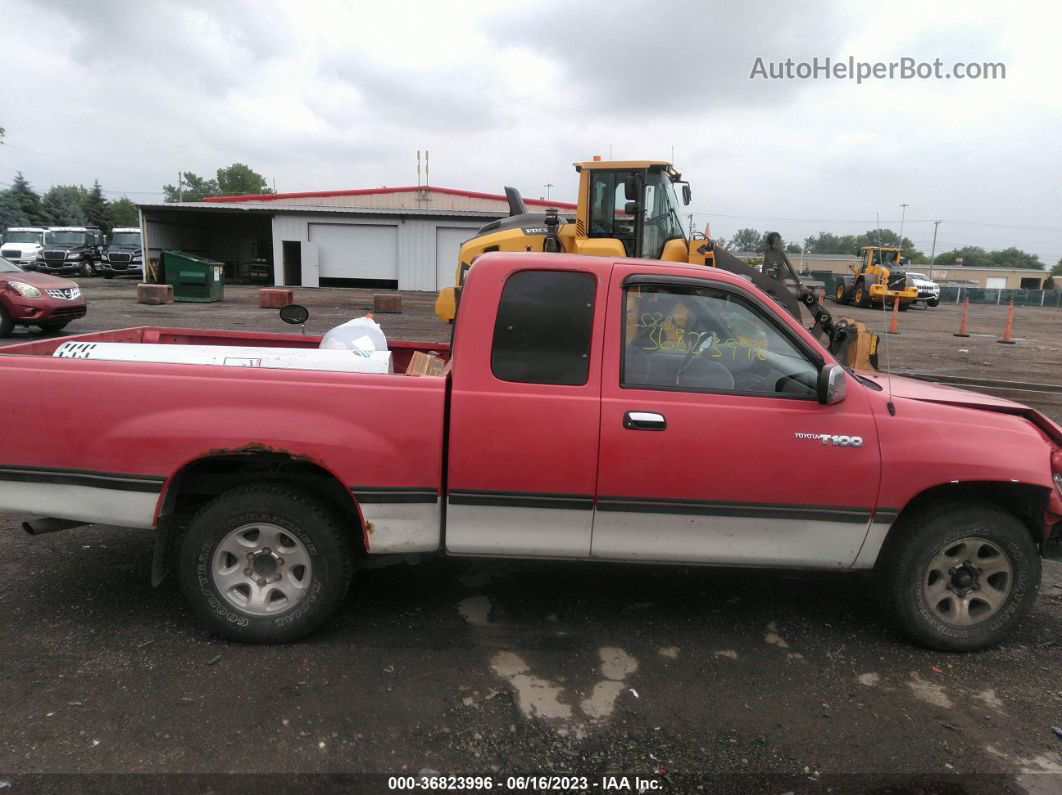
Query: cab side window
column 706, row 340
column 544, row 328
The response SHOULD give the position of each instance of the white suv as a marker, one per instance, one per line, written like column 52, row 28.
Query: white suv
column 928, row 290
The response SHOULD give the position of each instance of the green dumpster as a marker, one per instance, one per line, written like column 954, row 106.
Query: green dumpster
column 194, row 278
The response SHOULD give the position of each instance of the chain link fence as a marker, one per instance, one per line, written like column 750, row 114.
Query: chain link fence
column 985, row 295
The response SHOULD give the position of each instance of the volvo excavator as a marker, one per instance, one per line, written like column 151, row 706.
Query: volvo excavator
column 630, row 208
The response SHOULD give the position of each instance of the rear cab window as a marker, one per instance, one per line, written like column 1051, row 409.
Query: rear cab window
column 544, row 328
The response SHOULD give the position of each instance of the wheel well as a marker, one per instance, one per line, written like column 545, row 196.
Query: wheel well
column 200, row 481
column 1026, row 502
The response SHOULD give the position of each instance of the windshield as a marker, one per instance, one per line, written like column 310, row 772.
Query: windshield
column 68, row 238
column 661, row 222
column 9, row 267
column 23, row 237
column 126, row 239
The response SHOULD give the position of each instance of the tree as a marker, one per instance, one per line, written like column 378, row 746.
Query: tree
column 1015, row 258
column 239, row 179
column 63, row 205
column 97, row 209
column 747, row 240
column 124, row 213
column 793, row 248
column 29, row 203
column 234, row 180
column 193, row 189
column 1056, row 273
column 11, row 213
column 971, row 256
column 829, row 243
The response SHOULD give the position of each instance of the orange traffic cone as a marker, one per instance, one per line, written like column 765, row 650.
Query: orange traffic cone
column 965, row 314
column 1008, row 329
column 895, row 315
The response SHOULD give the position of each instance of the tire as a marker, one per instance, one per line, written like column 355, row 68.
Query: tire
column 294, row 531
column 916, row 569
column 87, row 268
column 7, row 325
column 55, row 325
column 904, row 306
column 933, row 302
column 107, row 275
column 860, row 296
column 840, row 294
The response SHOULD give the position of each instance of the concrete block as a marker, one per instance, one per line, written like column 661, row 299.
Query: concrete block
column 387, row 302
column 154, row 294
column 275, row 297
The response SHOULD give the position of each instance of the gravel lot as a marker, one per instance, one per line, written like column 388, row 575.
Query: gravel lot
column 743, row 680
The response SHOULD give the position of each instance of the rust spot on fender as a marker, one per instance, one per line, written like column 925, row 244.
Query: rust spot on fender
column 369, row 527
column 252, row 448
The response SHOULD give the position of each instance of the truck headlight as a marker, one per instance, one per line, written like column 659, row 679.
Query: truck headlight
column 72, row 255
column 25, row 290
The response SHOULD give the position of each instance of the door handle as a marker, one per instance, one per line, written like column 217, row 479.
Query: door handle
column 644, row 421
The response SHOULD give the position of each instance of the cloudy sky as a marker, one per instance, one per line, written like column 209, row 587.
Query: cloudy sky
column 319, row 95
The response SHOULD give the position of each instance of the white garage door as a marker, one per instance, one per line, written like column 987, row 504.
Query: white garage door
column 356, row 251
column 448, row 242
column 996, row 283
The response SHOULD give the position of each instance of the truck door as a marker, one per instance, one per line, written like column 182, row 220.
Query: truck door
column 525, row 416
column 712, row 444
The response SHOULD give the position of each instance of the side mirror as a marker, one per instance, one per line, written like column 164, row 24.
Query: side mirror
column 630, row 187
column 631, row 208
column 687, row 194
column 833, row 384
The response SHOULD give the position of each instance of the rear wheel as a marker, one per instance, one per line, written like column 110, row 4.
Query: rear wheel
column 6, row 323
column 841, row 293
column 960, row 578
column 265, row 564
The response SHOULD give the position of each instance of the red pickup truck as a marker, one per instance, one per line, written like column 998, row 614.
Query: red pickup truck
column 590, row 409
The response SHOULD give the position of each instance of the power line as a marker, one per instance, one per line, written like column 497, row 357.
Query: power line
column 81, row 162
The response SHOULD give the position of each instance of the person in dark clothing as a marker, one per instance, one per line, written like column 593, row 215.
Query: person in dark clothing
column 775, row 262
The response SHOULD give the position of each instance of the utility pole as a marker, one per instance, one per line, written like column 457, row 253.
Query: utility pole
column 903, row 214
column 933, row 252
column 547, row 186
column 180, row 186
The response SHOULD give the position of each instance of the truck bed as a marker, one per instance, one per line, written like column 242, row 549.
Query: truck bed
column 401, row 350
column 101, row 440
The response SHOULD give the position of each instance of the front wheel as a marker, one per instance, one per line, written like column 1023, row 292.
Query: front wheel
column 265, row 564
column 960, row 578
column 933, row 302
column 87, row 268
column 841, row 293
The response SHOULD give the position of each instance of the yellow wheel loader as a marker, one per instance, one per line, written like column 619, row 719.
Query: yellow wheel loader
column 878, row 277
column 630, row 208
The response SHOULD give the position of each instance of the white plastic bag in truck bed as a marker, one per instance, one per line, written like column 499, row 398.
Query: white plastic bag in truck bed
column 343, row 361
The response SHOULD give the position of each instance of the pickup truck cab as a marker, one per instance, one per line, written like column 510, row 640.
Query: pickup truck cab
column 590, row 409
column 71, row 249
column 124, row 254
column 22, row 244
